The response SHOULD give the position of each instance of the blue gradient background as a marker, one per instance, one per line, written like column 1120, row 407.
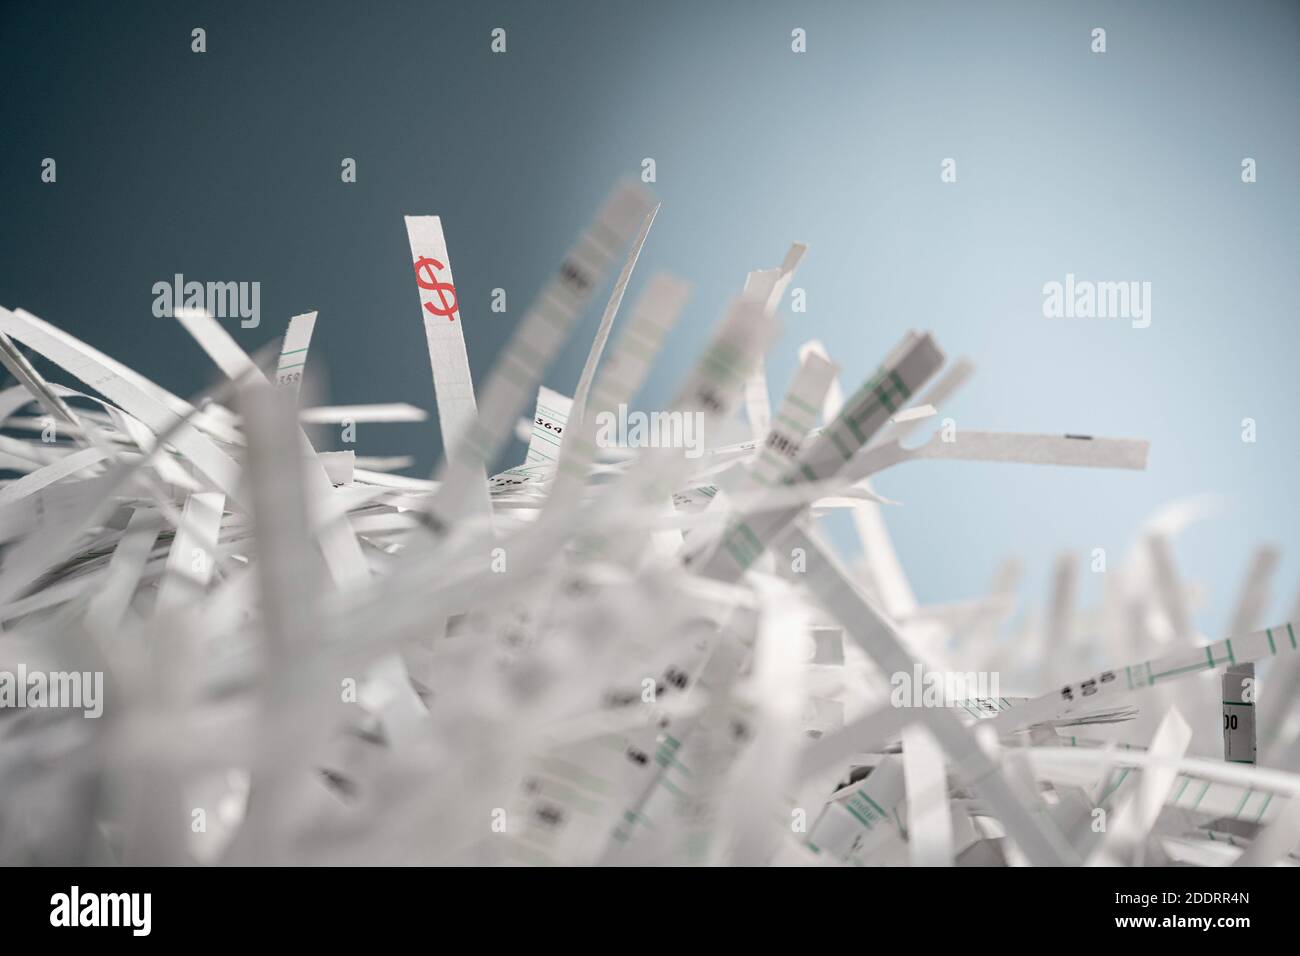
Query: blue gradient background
column 1126, row 165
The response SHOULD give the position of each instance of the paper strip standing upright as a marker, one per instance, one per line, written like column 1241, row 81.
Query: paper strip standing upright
column 1239, row 738
column 452, row 386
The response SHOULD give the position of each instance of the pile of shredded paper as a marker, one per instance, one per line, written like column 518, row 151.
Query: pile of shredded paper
column 222, row 644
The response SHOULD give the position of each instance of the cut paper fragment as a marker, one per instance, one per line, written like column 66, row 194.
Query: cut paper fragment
column 615, row 651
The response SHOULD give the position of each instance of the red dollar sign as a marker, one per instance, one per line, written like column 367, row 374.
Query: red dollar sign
column 427, row 279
